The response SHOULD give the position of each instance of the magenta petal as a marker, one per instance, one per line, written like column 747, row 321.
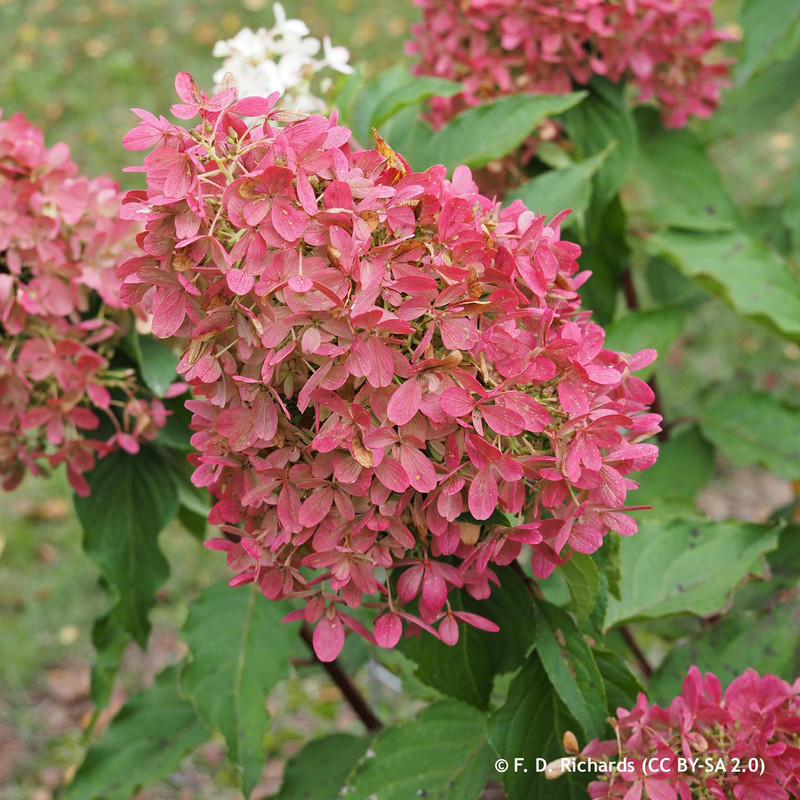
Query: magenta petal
column 448, row 631
column 503, row 420
column 483, row 496
column 316, row 507
column 328, row 638
column 388, row 629
column 456, row 402
column 239, row 281
column 405, row 402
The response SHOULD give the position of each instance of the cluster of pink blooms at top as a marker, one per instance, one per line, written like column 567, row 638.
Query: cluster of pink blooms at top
column 501, row 47
column 376, row 355
column 740, row 745
column 60, row 314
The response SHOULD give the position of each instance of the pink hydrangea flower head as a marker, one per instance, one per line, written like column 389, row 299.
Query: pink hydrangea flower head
column 61, row 319
column 395, row 385
column 497, row 47
column 740, row 744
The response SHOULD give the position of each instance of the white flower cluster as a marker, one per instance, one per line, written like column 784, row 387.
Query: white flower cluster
column 280, row 59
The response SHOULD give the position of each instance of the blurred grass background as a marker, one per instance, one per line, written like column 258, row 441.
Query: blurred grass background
column 75, row 69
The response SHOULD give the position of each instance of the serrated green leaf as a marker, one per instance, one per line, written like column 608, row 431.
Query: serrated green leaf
column 441, row 755
column 240, row 650
column 686, row 565
column 132, row 498
column 530, row 726
column 583, row 579
column 467, row 669
column 772, row 33
column 602, row 118
column 654, row 328
column 571, row 668
column 744, row 273
column 685, row 187
column 755, row 428
column 320, row 769
column 685, row 464
column 559, row 189
column 766, row 641
column 492, row 130
column 622, row 686
column 146, row 741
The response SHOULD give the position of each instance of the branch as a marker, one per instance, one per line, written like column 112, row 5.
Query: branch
column 641, row 658
column 346, row 686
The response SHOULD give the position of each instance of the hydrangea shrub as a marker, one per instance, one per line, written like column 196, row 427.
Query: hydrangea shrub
column 61, row 318
column 395, row 383
column 496, row 47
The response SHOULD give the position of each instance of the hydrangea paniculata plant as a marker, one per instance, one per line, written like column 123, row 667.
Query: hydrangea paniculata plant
column 743, row 744
column 499, row 47
column 60, row 315
column 281, row 59
column 395, row 384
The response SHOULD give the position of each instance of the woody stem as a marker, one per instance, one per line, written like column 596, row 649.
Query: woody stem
column 348, row 689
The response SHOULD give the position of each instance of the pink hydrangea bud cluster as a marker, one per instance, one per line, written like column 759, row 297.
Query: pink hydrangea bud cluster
column 743, row 744
column 395, row 384
column 501, row 47
column 60, row 314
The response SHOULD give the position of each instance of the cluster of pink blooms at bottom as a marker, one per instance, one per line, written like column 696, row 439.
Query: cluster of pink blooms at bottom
column 60, row 315
column 743, row 744
column 395, row 385
column 502, row 47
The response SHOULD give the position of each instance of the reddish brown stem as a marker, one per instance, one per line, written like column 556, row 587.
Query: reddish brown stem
column 348, row 689
column 641, row 658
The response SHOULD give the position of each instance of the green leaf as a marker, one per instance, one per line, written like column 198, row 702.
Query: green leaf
column 320, row 769
column 467, row 669
column 132, row 498
column 755, row 428
column 772, row 33
column 583, row 580
column 556, row 190
column 392, row 91
column 654, row 328
column 757, row 103
column 602, row 118
column 744, row 273
column 441, row 755
column 110, row 639
column 685, row 565
column 239, row 651
column 686, row 189
column 158, row 364
column 411, row 90
column 766, row 641
column 146, row 741
column 571, row 668
column 622, row 686
column 531, row 726
column 492, row 130
column 606, row 254
column 685, row 464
